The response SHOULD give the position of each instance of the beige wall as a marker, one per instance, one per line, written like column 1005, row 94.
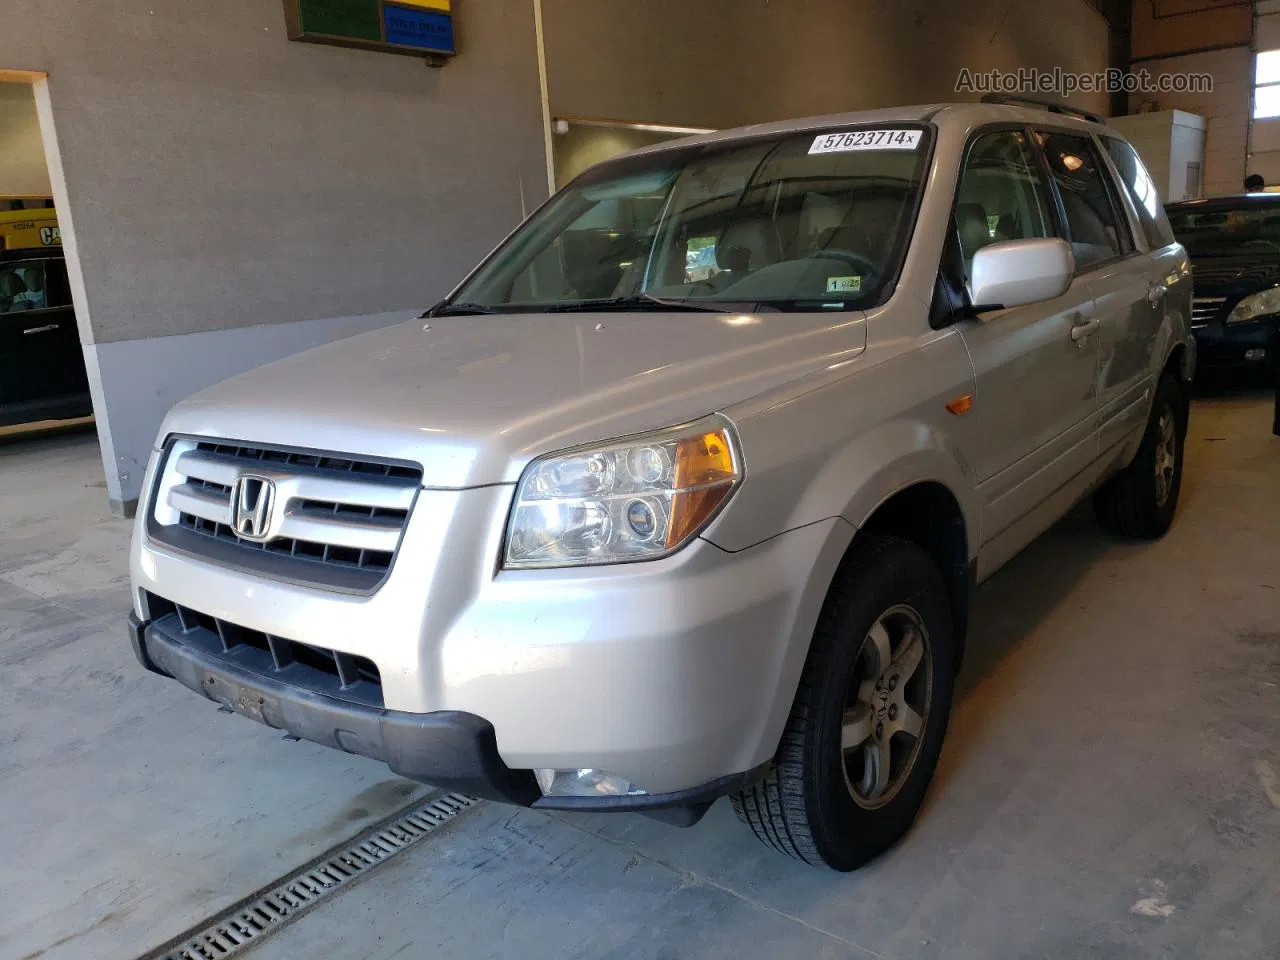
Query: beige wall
column 1225, row 110
column 1168, row 27
column 220, row 176
column 722, row 63
column 22, row 168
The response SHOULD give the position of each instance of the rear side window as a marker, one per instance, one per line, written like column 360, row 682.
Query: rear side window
column 1098, row 233
column 1142, row 191
column 1001, row 194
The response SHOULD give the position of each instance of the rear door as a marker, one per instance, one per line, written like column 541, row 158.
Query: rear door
column 1126, row 381
column 40, row 354
column 1035, row 365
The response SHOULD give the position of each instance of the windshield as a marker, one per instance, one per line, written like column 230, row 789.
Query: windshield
column 1228, row 231
column 801, row 222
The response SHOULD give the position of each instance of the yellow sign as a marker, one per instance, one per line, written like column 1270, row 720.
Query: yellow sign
column 29, row 228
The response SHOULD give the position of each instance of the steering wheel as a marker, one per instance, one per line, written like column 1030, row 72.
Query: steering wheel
column 856, row 260
column 1269, row 245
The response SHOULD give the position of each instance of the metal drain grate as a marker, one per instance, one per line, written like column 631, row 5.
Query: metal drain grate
column 246, row 923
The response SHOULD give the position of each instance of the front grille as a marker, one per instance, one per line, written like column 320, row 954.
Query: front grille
column 1205, row 310
column 337, row 520
column 341, row 675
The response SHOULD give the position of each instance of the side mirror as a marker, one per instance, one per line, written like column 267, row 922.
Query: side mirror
column 1012, row 273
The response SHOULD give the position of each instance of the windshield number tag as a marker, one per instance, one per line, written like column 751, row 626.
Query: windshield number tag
column 844, row 284
column 866, row 140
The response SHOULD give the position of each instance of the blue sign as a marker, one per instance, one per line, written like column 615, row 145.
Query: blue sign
column 420, row 29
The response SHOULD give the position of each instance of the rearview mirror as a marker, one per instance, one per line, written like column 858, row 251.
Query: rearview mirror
column 1012, row 273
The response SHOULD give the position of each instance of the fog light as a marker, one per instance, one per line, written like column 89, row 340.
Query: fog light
column 584, row 783
column 1257, row 353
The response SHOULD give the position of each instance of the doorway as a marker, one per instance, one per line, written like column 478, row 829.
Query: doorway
column 43, row 381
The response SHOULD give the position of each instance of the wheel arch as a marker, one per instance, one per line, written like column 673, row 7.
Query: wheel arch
column 928, row 514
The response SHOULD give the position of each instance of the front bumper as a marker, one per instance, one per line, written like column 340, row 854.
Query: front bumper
column 1219, row 346
column 449, row 749
column 675, row 674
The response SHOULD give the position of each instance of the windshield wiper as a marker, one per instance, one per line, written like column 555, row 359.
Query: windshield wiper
column 646, row 301
column 443, row 309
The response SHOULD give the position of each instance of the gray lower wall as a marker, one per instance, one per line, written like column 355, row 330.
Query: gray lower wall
column 135, row 382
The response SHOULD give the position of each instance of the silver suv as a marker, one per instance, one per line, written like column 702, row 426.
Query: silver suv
column 626, row 525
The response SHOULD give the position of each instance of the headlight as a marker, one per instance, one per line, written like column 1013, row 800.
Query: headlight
column 1256, row 305
column 635, row 499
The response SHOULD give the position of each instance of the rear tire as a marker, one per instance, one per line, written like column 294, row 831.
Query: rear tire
column 1139, row 502
column 850, row 775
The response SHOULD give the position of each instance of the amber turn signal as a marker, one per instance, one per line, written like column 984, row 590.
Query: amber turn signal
column 704, row 475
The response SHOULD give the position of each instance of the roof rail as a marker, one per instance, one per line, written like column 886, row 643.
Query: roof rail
column 1051, row 105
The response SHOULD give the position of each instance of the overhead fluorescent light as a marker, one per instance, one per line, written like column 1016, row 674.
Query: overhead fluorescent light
column 624, row 125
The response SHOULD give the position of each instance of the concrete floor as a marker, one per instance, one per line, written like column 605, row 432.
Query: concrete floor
column 1110, row 786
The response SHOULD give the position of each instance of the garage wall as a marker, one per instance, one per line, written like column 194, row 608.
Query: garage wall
column 219, row 178
column 1225, row 110
column 722, row 63
column 1202, row 36
column 22, row 168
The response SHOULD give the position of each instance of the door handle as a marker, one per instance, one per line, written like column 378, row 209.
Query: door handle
column 1081, row 329
column 1156, row 292
column 32, row 331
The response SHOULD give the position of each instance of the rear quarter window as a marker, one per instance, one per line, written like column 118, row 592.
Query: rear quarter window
column 1142, row 192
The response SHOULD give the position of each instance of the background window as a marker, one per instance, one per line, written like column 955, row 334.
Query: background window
column 1266, row 85
column 1001, row 195
column 1142, row 191
column 1097, row 233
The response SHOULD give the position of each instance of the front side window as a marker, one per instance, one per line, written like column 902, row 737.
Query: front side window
column 800, row 222
column 1142, row 191
column 1097, row 233
column 22, row 286
column 1001, row 195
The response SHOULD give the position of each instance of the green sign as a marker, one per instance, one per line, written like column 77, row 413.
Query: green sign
column 419, row 28
column 355, row 19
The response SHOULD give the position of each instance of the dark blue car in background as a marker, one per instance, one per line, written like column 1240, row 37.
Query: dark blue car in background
column 1234, row 244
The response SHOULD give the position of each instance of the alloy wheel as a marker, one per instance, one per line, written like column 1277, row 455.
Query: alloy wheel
column 887, row 707
column 1166, row 454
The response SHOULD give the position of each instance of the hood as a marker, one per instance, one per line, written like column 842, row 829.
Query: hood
column 1234, row 276
column 475, row 398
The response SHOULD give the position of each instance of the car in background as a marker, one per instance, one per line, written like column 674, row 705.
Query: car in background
column 42, row 372
column 1234, row 245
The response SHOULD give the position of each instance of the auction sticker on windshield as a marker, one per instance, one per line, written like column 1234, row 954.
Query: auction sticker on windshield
column 866, row 140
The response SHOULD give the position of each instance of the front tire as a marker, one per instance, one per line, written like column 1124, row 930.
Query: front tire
column 1139, row 502
column 867, row 724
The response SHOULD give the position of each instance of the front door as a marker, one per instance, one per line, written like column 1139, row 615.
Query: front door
column 1036, row 365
